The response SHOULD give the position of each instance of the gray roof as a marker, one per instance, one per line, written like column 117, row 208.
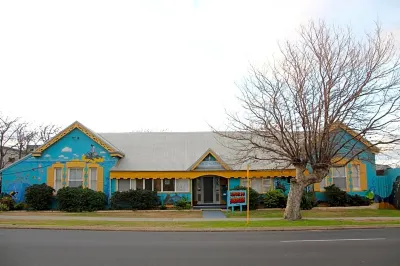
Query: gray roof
column 173, row 151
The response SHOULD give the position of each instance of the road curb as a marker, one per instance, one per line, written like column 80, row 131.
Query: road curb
column 171, row 229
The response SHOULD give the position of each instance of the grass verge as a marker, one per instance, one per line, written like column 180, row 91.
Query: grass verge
column 320, row 213
column 194, row 225
column 129, row 214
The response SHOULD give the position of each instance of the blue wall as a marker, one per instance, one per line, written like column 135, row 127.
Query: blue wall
column 33, row 170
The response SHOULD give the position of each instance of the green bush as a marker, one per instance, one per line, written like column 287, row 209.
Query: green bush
column 275, row 199
column 4, row 207
column 357, row 200
column 39, row 197
column 335, row 196
column 254, row 197
column 182, row 204
column 163, row 207
column 20, row 206
column 8, row 201
column 135, row 200
column 78, row 199
column 308, row 201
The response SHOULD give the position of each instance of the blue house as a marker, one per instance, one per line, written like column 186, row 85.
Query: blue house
column 194, row 165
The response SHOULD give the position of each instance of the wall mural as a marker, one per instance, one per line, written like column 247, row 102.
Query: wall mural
column 73, row 147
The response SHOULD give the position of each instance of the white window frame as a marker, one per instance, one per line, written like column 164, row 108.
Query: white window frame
column 90, row 177
column 188, row 180
column 345, row 176
column 55, row 178
column 263, row 179
column 69, row 174
column 131, row 186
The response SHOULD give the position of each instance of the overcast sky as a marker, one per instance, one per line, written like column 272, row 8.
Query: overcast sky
column 132, row 65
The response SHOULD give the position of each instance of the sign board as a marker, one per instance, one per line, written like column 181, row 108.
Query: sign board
column 236, row 198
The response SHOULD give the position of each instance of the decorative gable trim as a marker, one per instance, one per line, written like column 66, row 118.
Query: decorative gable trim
column 76, row 125
column 212, row 153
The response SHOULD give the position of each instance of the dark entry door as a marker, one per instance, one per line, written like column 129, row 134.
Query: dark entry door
column 208, row 189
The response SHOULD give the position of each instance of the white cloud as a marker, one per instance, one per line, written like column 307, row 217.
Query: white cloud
column 102, row 152
column 66, row 149
column 47, row 156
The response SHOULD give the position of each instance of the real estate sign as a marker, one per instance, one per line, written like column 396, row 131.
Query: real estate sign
column 236, row 198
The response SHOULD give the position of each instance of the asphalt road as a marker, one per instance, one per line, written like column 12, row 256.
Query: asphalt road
column 74, row 248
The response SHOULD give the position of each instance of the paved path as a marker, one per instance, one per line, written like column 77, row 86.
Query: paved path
column 209, row 214
column 209, row 218
column 92, row 248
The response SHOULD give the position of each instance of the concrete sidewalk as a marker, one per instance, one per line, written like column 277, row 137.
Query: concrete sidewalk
column 127, row 219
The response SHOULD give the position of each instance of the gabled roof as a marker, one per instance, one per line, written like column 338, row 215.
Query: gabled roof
column 210, row 152
column 114, row 151
column 176, row 151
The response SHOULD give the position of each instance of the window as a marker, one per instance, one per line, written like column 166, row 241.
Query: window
column 182, row 185
column 256, row 184
column 93, row 178
column 355, row 176
column 124, row 184
column 322, row 185
column 168, row 184
column 339, row 177
column 261, row 185
column 157, row 184
column 75, row 178
column 57, row 179
column 268, row 184
column 139, row 183
column 148, row 184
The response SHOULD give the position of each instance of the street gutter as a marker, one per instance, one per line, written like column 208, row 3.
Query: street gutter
column 172, row 229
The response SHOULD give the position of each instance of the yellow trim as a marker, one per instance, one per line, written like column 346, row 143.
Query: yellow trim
column 76, row 125
column 196, row 174
column 100, row 178
column 208, row 152
column 363, row 175
column 50, row 173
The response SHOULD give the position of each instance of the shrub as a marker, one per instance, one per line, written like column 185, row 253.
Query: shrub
column 308, row 201
column 254, row 196
column 163, row 207
column 182, row 204
column 20, row 206
column 39, row 197
column 335, row 196
column 357, row 200
column 135, row 200
column 275, row 199
column 8, row 201
column 3, row 207
column 78, row 199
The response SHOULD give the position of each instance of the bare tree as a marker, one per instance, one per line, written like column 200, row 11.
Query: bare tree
column 295, row 109
column 8, row 134
column 25, row 136
column 46, row 132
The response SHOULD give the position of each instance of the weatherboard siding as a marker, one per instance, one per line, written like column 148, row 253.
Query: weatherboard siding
column 66, row 152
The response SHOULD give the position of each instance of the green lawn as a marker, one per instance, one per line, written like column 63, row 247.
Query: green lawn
column 320, row 213
column 129, row 214
column 190, row 225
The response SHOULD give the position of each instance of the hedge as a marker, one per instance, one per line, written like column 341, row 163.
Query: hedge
column 78, row 199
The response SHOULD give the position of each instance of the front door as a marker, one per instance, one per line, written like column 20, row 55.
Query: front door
column 208, row 188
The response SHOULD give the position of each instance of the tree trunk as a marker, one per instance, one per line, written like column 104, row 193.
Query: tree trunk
column 292, row 211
